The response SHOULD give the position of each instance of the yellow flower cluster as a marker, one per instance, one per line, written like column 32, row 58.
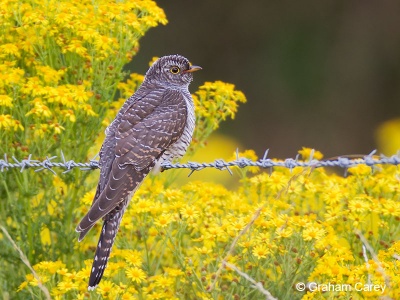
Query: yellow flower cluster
column 214, row 102
column 291, row 226
column 224, row 104
column 59, row 61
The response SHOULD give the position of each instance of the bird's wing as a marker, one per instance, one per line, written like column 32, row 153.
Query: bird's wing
column 147, row 128
column 139, row 106
column 141, row 144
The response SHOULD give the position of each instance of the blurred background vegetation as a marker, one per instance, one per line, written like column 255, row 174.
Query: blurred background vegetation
column 322, row 74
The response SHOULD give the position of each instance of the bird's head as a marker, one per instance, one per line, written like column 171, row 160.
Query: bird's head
column 171, row 70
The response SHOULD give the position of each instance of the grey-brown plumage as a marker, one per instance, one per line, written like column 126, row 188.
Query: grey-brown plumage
column 154, row 125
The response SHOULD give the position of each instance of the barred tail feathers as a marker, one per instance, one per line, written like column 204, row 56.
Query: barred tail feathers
column 103, row 250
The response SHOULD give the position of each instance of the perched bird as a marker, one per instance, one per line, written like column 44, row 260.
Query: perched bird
column 154, row 125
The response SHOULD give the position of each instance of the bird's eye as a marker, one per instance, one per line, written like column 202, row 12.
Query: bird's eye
column 175, row 70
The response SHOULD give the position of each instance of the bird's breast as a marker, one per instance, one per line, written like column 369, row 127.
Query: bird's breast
column 178, row 149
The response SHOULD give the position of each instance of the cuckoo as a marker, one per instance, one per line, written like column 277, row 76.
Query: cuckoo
column 154, row 125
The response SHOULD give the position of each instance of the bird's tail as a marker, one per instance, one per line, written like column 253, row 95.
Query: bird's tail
column 103, row 250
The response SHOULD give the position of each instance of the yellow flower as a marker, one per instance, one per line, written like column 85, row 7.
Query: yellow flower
column 260, row 251
column 49, row 75
column 87, row 199
column 332, row 196
column 358, row 205
column 50, row 266
column 105, row 287
column 173, row 272
column 103, row 43
column 142, row 206
column 131, row 85
column 333, row 212
column 132, row 257
column 312, row 232
column 135, row 274
column 69, row 115
column 87, row 108
column 246, row 245
column 65, row 286
column 284, row 232
column 22, row 286
column 357, row 218
column 6, row 101
column 39, row 109
column 5, row 121
column 80, row 94
column 388, row 136
column 189, row 212
column 164, row 282
column 63, row 271
column 81, row 296
column 214, row 232
column 60, row 185
column 164, row 220
column 42, row 279
column 41, row 130
column 16, row 125
column 360, row 170
column 45, row 236
column 203, row 250
column 57, row 128
column 276, row 182
column 391, row 207
column 153, row 60
column 127, row 296
column 238, row 224
column 153, row 231
column 306, row 153
column 214, row 102
column 10, row 49
column 76, row 46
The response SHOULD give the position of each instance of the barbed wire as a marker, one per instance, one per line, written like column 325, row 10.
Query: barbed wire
column 344, row 162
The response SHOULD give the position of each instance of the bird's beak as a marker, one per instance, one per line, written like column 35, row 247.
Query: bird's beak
column 192, row 69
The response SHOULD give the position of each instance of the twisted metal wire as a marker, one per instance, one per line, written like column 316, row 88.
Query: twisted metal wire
column 344, row 162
